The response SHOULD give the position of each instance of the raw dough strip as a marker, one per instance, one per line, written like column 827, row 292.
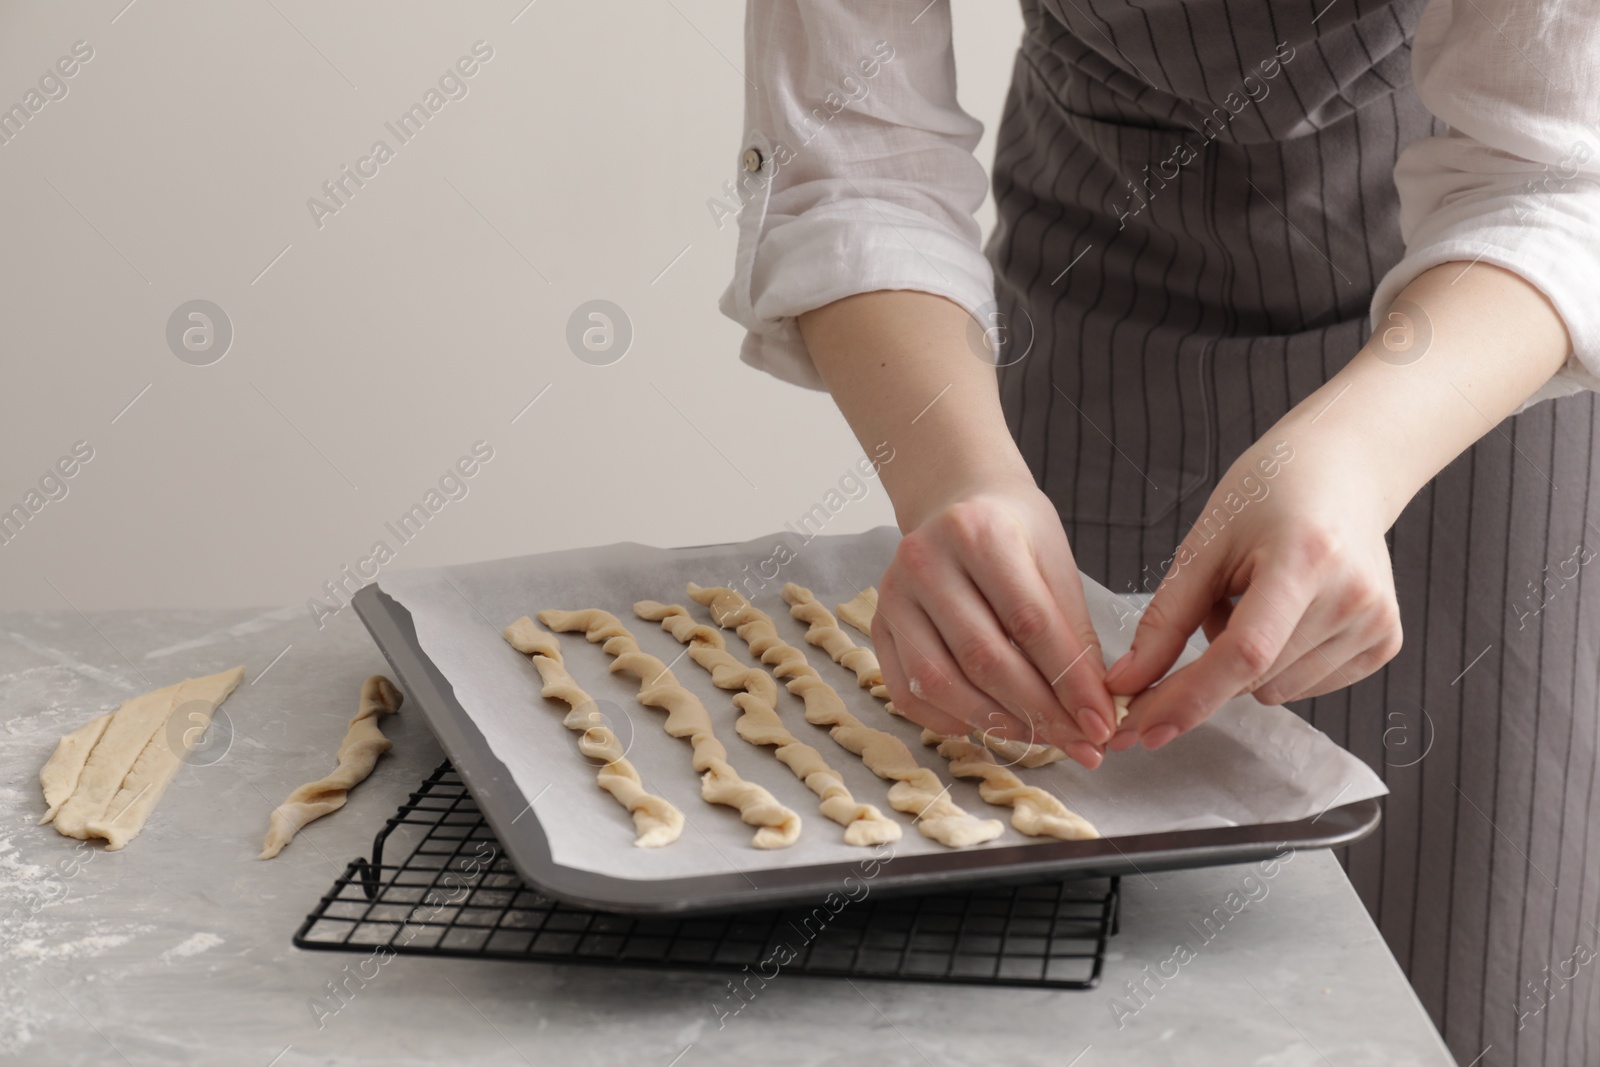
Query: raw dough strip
column 916, row 791
column 778, row 827
column 1034, row 811
column 858, row 612
column 759, row 723
column 363, row 744
column 859, row 609
column 656, row 820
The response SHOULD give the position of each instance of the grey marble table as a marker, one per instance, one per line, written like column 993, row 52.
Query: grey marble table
column 176, row 950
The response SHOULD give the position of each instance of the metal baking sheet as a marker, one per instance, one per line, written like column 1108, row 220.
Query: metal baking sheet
column 516, row 821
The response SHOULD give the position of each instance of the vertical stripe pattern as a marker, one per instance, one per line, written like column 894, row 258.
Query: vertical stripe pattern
column 1178, row 268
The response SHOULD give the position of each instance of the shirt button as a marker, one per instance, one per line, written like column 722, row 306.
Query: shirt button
column 752, row 160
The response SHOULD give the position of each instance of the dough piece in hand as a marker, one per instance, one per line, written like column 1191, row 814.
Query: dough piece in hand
column 656, row 820
column 131, row 765
column 916, row 791
column 1034, row 811
column 1121, row 703
column 759, row 724
column 778, row 827
column 363, row 744
column 858, row 611
column 59, row 776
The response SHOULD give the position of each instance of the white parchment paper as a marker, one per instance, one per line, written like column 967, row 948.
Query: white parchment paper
column 1246, row 764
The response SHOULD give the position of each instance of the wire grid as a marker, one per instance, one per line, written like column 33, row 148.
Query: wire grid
column 457, row 894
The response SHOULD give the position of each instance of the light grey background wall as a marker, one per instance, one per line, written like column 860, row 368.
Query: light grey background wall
column 371, row 347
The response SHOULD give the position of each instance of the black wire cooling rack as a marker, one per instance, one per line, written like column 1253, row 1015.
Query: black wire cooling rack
column 457, row 894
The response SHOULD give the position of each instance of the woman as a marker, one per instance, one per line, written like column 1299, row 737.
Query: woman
column 1268, row 278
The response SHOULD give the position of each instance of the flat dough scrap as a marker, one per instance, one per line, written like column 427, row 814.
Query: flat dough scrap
column 859, row 610
column 108, row 762
column 656, row 820
column 1121, row 703
column 133, row 762
column 1034, row 811
column 363, row 744
column 759, row 724
column 916, row 791
column 777, row 826
column 59, row 776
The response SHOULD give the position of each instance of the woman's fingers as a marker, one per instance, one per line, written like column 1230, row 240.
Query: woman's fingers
column 928, row 688
column 1258, row 629
column 1350, row 671
column 1328, row 659
column 989, row 662
column 933, row 679
column 1049, row 626
column 905, row 702
column 1185, row 598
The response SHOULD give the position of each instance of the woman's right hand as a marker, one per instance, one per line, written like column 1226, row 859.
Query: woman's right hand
column 981, row 623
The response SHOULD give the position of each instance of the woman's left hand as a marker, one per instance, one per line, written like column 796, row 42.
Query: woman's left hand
column 1296, row 535
column 1295, row 528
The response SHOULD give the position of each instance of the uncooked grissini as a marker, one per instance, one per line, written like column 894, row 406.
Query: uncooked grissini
column 1034, row 811
column 358, row 754
column 777, row 826
column 859, row 609
column 759, row 723
column 858, row 612
column 916, row 790
column 105, row 777
column 656, row 820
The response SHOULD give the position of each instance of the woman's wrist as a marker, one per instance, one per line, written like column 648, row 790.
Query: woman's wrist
column 1461, row 349
column 921, row 490
column 900, row 365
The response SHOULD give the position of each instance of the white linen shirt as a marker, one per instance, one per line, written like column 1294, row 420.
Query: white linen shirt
column 882, row 190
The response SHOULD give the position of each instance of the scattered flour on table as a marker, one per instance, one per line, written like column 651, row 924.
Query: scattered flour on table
column 192, row 945
column 93, row 945
column 18, row 1022
column 15, row 874
column 31, row 933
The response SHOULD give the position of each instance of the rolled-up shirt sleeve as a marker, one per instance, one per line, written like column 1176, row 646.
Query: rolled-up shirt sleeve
column 1515, row 181
column 856, row 172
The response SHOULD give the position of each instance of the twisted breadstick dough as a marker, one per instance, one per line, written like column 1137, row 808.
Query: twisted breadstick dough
column 858, row 611
column 759, row 723
column 916, row 790
column 1033, row 811
column 778, row 827
column 657, row 821
column 363, row 744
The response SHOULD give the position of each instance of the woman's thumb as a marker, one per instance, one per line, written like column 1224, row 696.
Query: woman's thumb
column 1179, row 606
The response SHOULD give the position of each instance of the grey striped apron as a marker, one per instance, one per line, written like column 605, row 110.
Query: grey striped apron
column 1195, row 202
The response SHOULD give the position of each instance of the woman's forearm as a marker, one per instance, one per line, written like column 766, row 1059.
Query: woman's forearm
column 902, row 368
column 1459, row 351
